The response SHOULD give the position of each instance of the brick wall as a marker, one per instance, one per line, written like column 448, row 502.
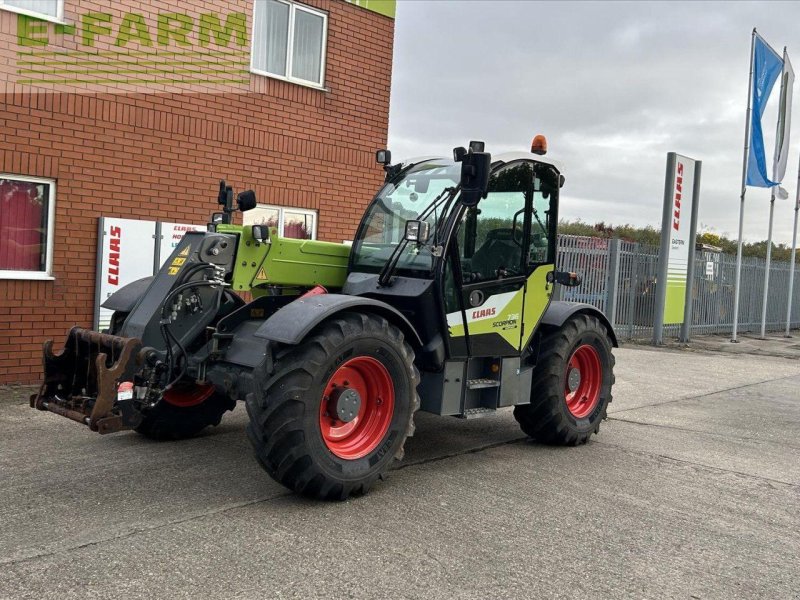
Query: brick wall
column 159, row 156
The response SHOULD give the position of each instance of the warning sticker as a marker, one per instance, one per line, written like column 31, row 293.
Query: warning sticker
column 262, row 274
column 178, row 261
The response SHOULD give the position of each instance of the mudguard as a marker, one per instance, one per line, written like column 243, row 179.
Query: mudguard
column 292, row 323
column 559, row 311
column 126, row 297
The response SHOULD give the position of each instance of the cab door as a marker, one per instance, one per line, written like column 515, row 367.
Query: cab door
column 496, row 288
column 485, row 277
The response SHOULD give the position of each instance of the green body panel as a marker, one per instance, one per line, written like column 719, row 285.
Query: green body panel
column 285, row 262
column 537, row 298
column 530, row 301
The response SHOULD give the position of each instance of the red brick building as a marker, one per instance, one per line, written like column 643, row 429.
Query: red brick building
column 136, row 109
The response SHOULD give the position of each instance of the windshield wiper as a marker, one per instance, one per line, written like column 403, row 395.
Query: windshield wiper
column 385, row 276
column 436, row 202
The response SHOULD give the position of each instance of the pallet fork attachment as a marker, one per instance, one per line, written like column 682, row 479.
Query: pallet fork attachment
column 81, row 381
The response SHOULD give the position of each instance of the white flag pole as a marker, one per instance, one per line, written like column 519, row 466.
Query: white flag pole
column 766, row 267
column 748, row 119
column 778, row 141
column 794, row 250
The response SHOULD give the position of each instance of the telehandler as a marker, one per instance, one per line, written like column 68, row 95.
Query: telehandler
column 443, row 303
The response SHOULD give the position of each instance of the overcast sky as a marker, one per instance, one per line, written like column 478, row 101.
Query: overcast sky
column 613, row 86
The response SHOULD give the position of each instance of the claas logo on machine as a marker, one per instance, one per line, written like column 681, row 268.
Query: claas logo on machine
column 179, row 261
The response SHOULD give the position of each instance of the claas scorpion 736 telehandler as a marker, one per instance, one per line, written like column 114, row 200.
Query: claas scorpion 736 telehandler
column 443, row 303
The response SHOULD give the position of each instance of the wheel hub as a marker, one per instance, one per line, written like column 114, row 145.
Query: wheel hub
column 346, row 402
column 573, row 379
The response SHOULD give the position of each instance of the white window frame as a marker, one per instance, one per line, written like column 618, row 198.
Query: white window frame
column 59, row 18
column 303, row 211
column 47, row 274
column 293, row 7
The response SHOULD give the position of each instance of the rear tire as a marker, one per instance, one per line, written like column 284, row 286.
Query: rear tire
column 354, row 362
column 571, row 384
column 192, row 408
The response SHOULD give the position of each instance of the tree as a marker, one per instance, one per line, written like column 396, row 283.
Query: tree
column 651, row 236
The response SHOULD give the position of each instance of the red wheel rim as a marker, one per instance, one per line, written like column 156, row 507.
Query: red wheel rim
column 583, row 381
column 371, row 381
column 186, row 395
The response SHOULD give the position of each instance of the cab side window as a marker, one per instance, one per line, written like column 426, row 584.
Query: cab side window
column 540, row 249
column 490, row 239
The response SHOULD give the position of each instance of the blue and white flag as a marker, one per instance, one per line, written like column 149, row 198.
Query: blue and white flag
column 784, row 121
column 767, row 65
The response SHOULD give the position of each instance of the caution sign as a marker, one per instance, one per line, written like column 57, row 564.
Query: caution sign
column 179, row 261
column 262, row 275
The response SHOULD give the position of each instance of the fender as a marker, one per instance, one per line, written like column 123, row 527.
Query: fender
column 292, row 323
column 559, row 311
column 126, row 297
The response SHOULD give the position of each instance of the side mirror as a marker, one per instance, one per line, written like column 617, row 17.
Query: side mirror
column 225, row 193
column 246, row 200
column 383, row 157
column 261, row 233
column 475, row 167
column 564, row 278
column 417, row 231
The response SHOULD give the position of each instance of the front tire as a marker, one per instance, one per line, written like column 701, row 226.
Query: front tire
column 338, row 409
column 571, row 384
column 184, row 411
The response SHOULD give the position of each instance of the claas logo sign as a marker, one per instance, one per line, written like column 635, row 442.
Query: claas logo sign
column 114, row 241
column 676, row 209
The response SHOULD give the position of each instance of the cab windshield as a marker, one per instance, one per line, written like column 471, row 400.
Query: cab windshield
column 409, row 196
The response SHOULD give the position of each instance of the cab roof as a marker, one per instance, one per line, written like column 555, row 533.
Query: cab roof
column 503, row 158
column 507, row 157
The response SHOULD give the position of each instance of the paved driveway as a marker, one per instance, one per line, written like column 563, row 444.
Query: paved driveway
column 692, row 490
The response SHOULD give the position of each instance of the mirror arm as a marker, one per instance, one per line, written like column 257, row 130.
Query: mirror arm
column 564, row 278
column 385, row 276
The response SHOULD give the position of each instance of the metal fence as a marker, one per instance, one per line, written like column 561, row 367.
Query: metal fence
column 620, row 278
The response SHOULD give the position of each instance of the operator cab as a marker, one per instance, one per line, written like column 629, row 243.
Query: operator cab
column 471, row 273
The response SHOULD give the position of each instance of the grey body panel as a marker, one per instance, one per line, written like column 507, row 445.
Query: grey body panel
column 559, row 311
column 125, row 298
column 293, row 322
column 245, row 349
column 449, row 392
column 441, row 393
column 515, row 383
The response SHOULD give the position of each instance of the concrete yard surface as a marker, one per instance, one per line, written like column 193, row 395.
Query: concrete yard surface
column 691, row 490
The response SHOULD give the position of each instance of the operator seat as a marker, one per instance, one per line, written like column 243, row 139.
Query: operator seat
column 498, row 250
